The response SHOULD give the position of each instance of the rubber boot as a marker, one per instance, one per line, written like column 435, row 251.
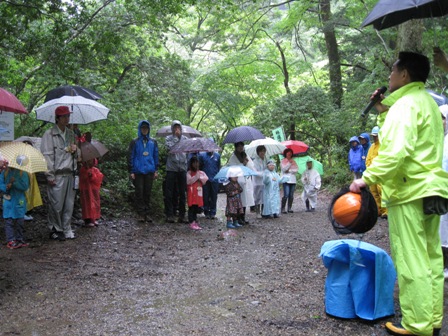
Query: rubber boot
column 307, row 203
column 290, row 200
column 258, row 210
column 230, row 225
column 236, row 224
column 284, row 199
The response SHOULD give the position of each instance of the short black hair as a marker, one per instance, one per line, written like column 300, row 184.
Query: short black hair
column 416, row 64
column 193, row 159
column 260, row 148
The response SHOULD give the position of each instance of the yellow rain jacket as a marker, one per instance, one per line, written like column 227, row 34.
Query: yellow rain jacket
column 409, row 168
column 406, row 131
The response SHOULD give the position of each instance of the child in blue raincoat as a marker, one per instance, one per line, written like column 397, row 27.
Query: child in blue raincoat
column 271, row 191
column 13, row 184
column 355, row 161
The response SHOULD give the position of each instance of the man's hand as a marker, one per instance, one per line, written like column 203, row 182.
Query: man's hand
column 51, row 183
column 132, row 176
column 357, row 185
column 156, row 175
column 378, row 106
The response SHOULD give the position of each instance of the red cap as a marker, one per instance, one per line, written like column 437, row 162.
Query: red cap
column 62, row 110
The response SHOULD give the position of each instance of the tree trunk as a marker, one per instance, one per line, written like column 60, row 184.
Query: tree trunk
column 292, row 125
column 332, row 52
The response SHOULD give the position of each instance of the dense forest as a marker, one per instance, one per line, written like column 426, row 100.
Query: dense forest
column 305, row 65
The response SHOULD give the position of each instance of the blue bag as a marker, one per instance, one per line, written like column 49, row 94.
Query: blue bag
column 360, row 281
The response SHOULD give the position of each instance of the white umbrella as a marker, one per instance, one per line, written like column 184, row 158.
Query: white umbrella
column 273, row 147
column 84, row 111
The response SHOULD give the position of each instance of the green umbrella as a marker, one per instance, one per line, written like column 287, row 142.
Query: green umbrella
column 301, row 162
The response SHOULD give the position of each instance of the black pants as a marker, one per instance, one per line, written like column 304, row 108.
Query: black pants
column 210, row 198
column 193, row 213
column 175, row 180
column 143, row 187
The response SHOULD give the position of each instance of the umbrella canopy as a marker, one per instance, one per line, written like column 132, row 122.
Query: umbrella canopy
column 243, row 133
column 23, row 157
column 236, row 170
column 84, row 111
column 388, row 13
column 71, row 90
column 35, row 141
column 301, row 162
column 92, row 150
column 10, row 103
column 195, row 145
column 298, row 147
column 188, row 131
column 440, row 99
column 272, row 146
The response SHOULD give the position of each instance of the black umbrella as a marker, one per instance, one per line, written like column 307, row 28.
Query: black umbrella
column 243, row 133
column 388, row 13
column 71, row 90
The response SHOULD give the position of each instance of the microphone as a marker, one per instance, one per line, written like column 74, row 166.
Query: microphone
column 376, row 98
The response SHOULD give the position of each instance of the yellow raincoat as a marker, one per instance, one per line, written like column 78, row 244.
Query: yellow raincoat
column 409, row 168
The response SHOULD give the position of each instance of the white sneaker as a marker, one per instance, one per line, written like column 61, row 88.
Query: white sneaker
column 70, row 235
column 28, row 218
column 445, row 273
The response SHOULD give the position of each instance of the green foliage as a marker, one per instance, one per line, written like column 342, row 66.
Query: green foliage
column 213, row 65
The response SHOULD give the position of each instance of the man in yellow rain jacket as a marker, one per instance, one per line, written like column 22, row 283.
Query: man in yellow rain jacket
column 375, row 189
column 409, row 168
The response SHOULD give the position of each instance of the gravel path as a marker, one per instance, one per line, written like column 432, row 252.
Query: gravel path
column 129, row 278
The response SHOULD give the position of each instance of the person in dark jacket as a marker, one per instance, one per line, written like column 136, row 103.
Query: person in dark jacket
column 143, row 162
column 176, row 176
column 355, row 157
column 210, row 165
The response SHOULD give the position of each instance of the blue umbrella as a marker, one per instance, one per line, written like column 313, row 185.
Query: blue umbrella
column 243, row 133
column 236, row 170
column 439, row 98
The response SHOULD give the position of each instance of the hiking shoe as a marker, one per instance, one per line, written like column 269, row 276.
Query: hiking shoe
column 13, row 244
column 236, row 224
column 181, row 220
column 396, row 329
column 28, row 218
column 57, row 236
column 275, row 216
column 170, row 219
column 290, row 211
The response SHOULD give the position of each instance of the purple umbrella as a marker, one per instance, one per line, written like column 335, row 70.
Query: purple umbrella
column 194, row 145
column 243, row 133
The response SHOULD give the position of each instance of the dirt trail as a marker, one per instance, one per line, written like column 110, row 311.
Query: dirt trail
column 128, row 278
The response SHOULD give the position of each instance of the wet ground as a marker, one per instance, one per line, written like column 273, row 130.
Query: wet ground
column 129, row 278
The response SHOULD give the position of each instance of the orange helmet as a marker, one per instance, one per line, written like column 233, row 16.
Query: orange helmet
column 346, row 208
column 353, row 213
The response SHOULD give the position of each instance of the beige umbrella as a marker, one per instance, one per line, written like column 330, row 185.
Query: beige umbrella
column 23, row 157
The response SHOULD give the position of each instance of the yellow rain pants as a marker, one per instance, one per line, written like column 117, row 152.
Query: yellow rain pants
column 417, row 255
